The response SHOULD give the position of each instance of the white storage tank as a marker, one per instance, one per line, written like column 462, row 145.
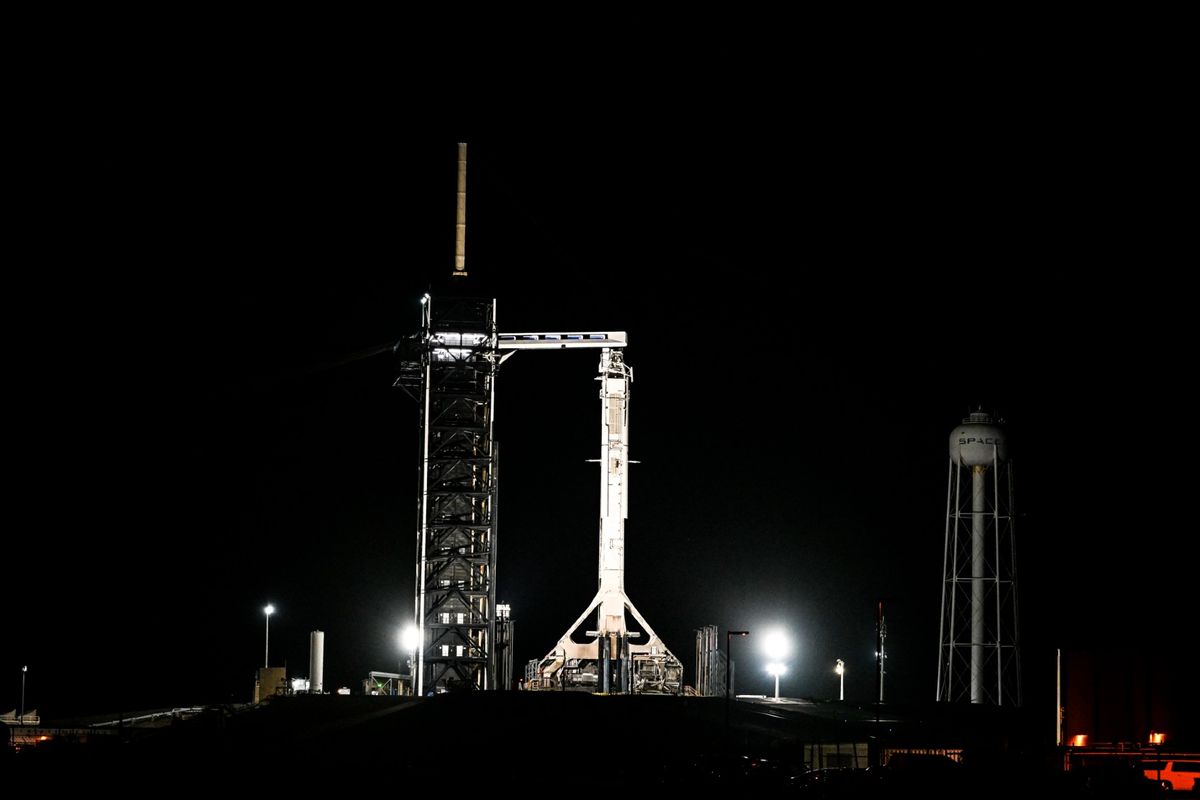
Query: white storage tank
column 316, row 661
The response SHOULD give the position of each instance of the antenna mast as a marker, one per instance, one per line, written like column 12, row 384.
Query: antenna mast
column 460, row 225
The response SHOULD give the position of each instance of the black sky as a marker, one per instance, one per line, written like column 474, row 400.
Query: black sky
column 821, row 262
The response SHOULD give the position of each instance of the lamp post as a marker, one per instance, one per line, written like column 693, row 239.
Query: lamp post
column 840, row 669
column 23, row 671
column 1157, row 739
column 880, row 635
column 775, row 668
column 777, row 648
column 268, row 611
column 409, row 641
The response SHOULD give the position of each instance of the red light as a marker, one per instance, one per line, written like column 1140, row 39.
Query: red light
column 1157, row 737
column 1079, row 740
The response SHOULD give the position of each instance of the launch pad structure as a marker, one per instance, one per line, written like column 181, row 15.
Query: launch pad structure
column 464, row 638
column 455, row 379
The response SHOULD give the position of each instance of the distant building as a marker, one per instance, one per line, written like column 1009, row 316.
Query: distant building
column 268, row 682
column 1120, row 694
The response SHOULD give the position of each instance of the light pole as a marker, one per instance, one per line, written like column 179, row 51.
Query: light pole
column 880, row 635
column 268, row 611
column 409, row 641
column 1157, row 740
column 840, row 669
column 23, row 671
column 777, row 648
column 775, row 668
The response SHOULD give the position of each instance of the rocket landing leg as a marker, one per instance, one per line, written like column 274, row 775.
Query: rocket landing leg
column 611, row 662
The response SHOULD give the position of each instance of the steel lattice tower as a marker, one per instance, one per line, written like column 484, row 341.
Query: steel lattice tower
column 979, row 658
column 456, row 538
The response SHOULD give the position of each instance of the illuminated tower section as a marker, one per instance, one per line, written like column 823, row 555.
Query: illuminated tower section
column 979, row 658
column 454, row 380
column 450, row 369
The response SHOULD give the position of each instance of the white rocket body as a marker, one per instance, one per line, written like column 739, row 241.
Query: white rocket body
column 614, row 379
column 612, row 640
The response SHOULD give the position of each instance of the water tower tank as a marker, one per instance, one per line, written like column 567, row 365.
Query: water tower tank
column 977, row 441
column 979, row 656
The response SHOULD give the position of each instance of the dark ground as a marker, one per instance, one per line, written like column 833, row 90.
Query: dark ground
column 549, row 741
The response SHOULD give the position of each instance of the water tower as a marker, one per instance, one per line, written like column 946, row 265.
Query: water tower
column 979, row 658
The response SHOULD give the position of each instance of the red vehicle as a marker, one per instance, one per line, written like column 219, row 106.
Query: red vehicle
column 1179, row 775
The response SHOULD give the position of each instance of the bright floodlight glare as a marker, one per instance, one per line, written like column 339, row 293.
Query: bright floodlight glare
column 776, row 669
column 775, row 645
column 409, row 639
column 840, row 669
column 269, row 610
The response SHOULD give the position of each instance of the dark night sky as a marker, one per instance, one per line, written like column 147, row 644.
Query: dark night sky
column 821, row 265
